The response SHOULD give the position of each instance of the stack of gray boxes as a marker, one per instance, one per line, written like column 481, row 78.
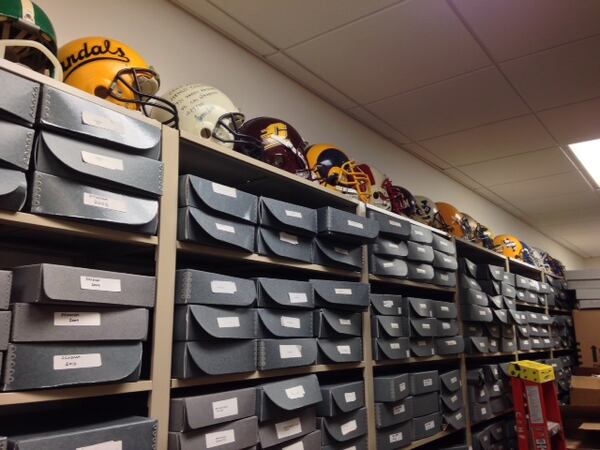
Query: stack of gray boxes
column 451, row 400
column 530, row 291
column 562, row 332
column 479, row 398
column 406, row 250
column 215, row 326
column 499, row 435
column 490, row 391
column 216, row 420
column 558, row 295
column 342, row 416
column 407, row 408
column 402, row 326
column 18, row 107
column 72, row 326
column 94, row 163
column 563, row 372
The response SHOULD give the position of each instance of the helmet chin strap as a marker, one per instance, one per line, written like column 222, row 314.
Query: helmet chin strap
column 57, row 73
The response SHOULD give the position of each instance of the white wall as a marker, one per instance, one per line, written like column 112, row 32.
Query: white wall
column 184, row 50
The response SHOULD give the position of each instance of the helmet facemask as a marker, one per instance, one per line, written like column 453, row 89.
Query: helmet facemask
column 350, row 177
column 227, row 131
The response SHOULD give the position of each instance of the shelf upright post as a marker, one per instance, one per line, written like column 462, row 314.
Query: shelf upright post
column 166, row 259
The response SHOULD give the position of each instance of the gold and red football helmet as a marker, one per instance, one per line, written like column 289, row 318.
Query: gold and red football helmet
column 508, row 245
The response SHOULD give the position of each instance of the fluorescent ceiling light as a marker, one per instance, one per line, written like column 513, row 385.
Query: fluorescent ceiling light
column 588, row 155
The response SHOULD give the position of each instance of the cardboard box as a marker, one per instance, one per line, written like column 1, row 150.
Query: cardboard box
column 521, row 282
column 443, row 261
column 424, row 382
column 476, row 313
column 284, row 245
column 393, row 348
column 343, row 428
column 335, row 254
column 467, row 282
column 490, row 272
column 199, row 322
column 447, row 328
column 49, row 323
column 195, row 225
column 16, row 146
column 388, row 247
column 443, row 245
column 287, row 428
column 420, row 272
column 444, row 310
column 420, row 252
column 388, row 304
column 493, row 345
column 312, row 440
column 456, row 420
column 5, row 321
column 341, row 226
column 388, row 267
column 467, row 267
column 420, row 307
column 97, row 165
column 35, row 366
column 287, row 216
column 277, row 293
column 135, row 433
column 391, row 226
column 389, row 414
column 497, row 301
column 213, row 357
column 449, row 345
column 341, row 398
column 282, row 353
column 6, row 279
column 426, row 426
column 333, row 324
column 452, row 401
column 74, row 115
column 450, row 381
column 477, row 345
column 287, row 396
column 274, row 323
column 422, row 328
column 13, row 189
column 390, row 326
column 339, row 350
column 207, row 288
column 55, row 284
column 480, row 412
column 55, row 196
column 19, row 99
column 444, row 278
column 346, row 295
column 200, row 411
column 391, row 388
column 588, row 336
column 472, row 296
column 422, row 348
column 420, row 234
column 426, row 403
column 234, row 435
column 395, row 437
column 478, row 393
column 585, row 389
column 508, row 278
column 473, row 329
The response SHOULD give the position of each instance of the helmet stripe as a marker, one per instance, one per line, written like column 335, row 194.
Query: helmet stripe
column 27, row 11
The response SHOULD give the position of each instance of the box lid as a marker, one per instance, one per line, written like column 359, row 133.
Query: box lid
column 217, row 356
column 422, row 347
column 449, row 345
column 444, row 278
column 490, row 271
column 287, row 216
column 501, row 315
column 329, row 253
column 345, row 227
column 392, row 326
column 341, row 294
column 497, row 301
column 221, row 323
column 422, row 327
column 289, row 352
column 468, row 282
column 289, row 323
column 341, row 350
column 447, row 328
column 286, row 293
column 197, row 286
column 452, row 400
column 388, row 267
column 420, row 272
column 16, row 144
column 468, row 267
column 291, row 394
column 474, row 297
column 13, row 189
column 519, row 318
column 387, row 247
column 456, row 420
column 346, row 427
column 285, row 245
column 451, row 380
column 19, row 97
column 443, row 245
column 420, row 234
column 444, row 261
column 342, row 323
column 388, row 304
column 391, row 226
column 444, row 310
column 478, row 344
column 420, row 307
column 420, row 252
column 346, row 396
column 391, row 388
column 233, row 435
column 393, row 348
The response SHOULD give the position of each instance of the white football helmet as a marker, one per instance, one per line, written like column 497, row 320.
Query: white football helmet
column 204, row 111
column 379, row 195
column 427, row 211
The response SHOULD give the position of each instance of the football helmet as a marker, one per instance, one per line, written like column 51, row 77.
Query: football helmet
column 538, row 257
column 527, row 254
column 114, row 71
column 484, row 236
column 332, row 168
column 274, row 141
column 469, row 226
column 27, row 37
column 379, row 195
column 452, row 218
column 427, row 213
column 508, row 245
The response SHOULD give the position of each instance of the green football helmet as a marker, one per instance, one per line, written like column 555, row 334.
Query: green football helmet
column 27, row 37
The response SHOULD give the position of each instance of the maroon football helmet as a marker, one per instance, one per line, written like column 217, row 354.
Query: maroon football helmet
column 403, row 202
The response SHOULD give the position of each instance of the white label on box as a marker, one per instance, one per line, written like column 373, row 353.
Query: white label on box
column 100, row 284
column 458, row 416
column 447, row 259
column 298, row 297
column 430, row 425
column 340, row 291
column 392, row 245
column 454, row 380
column 421, row 249
column 399, row 310
column 483, row 411
column 446, row 325
column 350, row 397
column 289, row 238
column 220, row 438
column 290, row 351
column 296, row 446
column 395, row 325
column 388, row 303
column 77, row 319
column 350, row 448
column 108, row 445
column 344, row 350
column 348, row 427
column 290, row 322
column 295, row 392
column 94, row 120
column 388, row 264
column 454, row 398
column 426, row 326
column 451, row 343
column 496, row 388
column 395, row 346
column 395, row 224
column 396, row 437
column 224, row 190
column 482, row 344
column 479, row 296
column 288, row 428
column 228, row 322
column 482, row 312
column 225, row 228
column 428, row 382
column 419, row 270
column 345, row 322
column 399, row 409
column 225, row 408
column 294, row 214
column 444, row 277
column 106, row 162
column 81, row 361
column 418, row 232
column 341, row 251
column 114, row 203
column 444, row 308
column 402, row 387
column 355, row 224
column 223, row 287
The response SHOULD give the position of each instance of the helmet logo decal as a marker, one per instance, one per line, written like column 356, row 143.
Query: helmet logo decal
column 90, row 54
column 275, row 134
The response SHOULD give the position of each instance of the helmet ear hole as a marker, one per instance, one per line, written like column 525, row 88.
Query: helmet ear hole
column 101, row 91
column 205, row 133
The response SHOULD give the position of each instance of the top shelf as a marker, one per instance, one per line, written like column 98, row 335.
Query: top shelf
column 477, row 253
column 225, row 165
column 522, row 268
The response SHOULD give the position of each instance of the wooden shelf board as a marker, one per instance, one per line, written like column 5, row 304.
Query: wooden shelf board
column 409, row 283
column 263, row 375
column 435, row 437
column 26, row 221
column 527, row 269
column 489, row 355
column 237, row 255
column 68, row 393
column 415, row 360
column 478, row 249
column 497, row 416
column 530, row 306
column 409, row 220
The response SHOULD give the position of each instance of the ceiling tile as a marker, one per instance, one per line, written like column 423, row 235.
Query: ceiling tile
column 425, row 154
column 565, row 74
column 307, row 79
column 406, row 46
column 512, row 28
column 559, row 207
column 462, row 178
column 573, row 123
column 539, row 188
column 214, row 16
column 378, row 125
column 286, row 23
column 499, row 201
column 519, row 167
column 463, row 102
column 496, row 140
column 583, row 235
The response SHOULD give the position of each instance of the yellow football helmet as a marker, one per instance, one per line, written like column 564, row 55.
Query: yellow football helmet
column 332, row 168
column 112, row 70
column 451, row 219
column 508, row 245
